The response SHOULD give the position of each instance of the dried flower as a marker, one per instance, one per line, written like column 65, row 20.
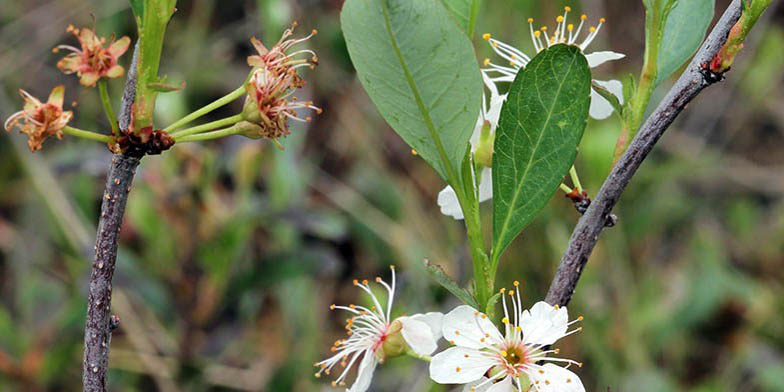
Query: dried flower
column 40, row 120
column 270, row 102
column 92, row 61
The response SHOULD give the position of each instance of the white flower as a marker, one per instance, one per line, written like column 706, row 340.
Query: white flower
column 373, row 335
column 485, row 360
column 488, row 117
column 563, row 34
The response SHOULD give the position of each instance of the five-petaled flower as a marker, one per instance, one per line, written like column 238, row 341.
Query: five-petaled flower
column 40, row 120
column 563, row 33
column 486, row 360
column 374, row 336
column 92, row 61
column 270, row 102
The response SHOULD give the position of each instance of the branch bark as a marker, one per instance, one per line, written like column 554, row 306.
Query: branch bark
column 100, row 322
column 585, row 235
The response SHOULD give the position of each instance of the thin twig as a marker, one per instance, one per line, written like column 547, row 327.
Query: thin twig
column 100, row 323
column 591, row 224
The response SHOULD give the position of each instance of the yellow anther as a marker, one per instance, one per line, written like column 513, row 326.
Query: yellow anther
column 334, row 384
column 579, row 318
column 356, row 282
column 486, row 62
column 556, row 351
column 570, row 27
column 484, row 316
column 503, row 353
column 556, row 306
column 505, row 320
column 486, row 36
column 457, row 369
column 602, row 20
column 332, row 307
column 392, row 267
column 568, row 9
column 452, row 342
column 378, row 279
column 364, row 281
column 516, row 283
column 494, row 43
column 502, row 290
column 541, row 371
column 547, row 382
column 543, row 28
column 466, row 355
column 530, row 20
column 519, row 328
column 352, row 306
column 579, row 364
column 559, row 19
column 592, row 29
column 318, row 375
column 511, row 293
column 537, row 33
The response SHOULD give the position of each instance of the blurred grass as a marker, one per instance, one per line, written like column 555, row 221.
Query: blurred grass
column 232, row 251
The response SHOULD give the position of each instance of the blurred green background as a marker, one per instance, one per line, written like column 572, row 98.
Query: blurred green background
column 232, row 251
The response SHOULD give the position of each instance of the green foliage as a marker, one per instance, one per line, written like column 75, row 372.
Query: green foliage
column 421, row 73
column 137, row 6
column 464, row 12
column 439, row 276
column 684, row 31
column 540, row 127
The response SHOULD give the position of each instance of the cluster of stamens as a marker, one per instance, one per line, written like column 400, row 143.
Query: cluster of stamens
column 367, row 329
column 274, row 80
column 564, row 33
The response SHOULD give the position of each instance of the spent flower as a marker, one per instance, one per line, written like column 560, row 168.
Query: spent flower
column 270, row 102
column 374, row 336
column 485, row 360
column 564, row 33
column 92, row 61
column 40, row 120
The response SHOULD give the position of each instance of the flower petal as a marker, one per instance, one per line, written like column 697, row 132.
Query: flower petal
column 544, row 324
column 486, row 185
column 458, row 365
column 418, row 336
column 88, row 79
column 473, row 386
column 57, row 96
column 365, row 372
column 447, row 200
column 434, row 320
column 466, row 327
column 600, row 107
column 613, row 86
column 554, row 378
column 505, row 385
column 596, row 59
column 115, row 71
column 117, row 48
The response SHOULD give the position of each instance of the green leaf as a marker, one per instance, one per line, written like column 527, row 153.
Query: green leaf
column 439, row 276
column 540, row 127
column 687, row 23
column 420, row 71
column 137, row 6
column 462, row 12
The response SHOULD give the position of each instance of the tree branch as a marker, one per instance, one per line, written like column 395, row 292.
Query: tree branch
column 100, row 323
column 585, row 235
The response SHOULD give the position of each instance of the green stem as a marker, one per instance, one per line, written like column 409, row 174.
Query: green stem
column 575, row 179
column 224, row 122
column 107, row 107
column 211, row 135
column 87, row 134
column 226, row 99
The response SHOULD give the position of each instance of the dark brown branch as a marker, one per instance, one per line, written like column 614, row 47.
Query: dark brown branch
column 100, row 322
column 585, row 235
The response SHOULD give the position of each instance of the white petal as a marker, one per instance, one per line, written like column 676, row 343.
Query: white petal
column 544, row 324
column 553, row 378
column 365, row 372
column 505, row 385
column 434, row 320
column 486, row 185
column 418, row 336
column 600, row 107
column 596, row 59
column 447, row 200
column 467, row 327
column 473, row 384
column 458, row 365
column 613, row 86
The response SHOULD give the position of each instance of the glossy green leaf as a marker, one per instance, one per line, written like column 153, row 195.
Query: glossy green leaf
column 137, row 6
column 684, row 31
column 420, row 71
column 540, row 127
column 439, row 276
column 464, row 12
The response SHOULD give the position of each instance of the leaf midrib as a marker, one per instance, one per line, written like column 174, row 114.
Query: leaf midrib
column 451, row 175
column 504, row 227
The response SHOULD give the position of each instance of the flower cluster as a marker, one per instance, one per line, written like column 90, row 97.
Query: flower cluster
column 374, row 336
column 482, row 358
column 492, row 74
column 270, row 102
column 40, row 120
column 92, row 61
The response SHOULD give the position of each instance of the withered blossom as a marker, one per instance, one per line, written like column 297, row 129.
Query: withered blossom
column 40, row 120
column 92, row 61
